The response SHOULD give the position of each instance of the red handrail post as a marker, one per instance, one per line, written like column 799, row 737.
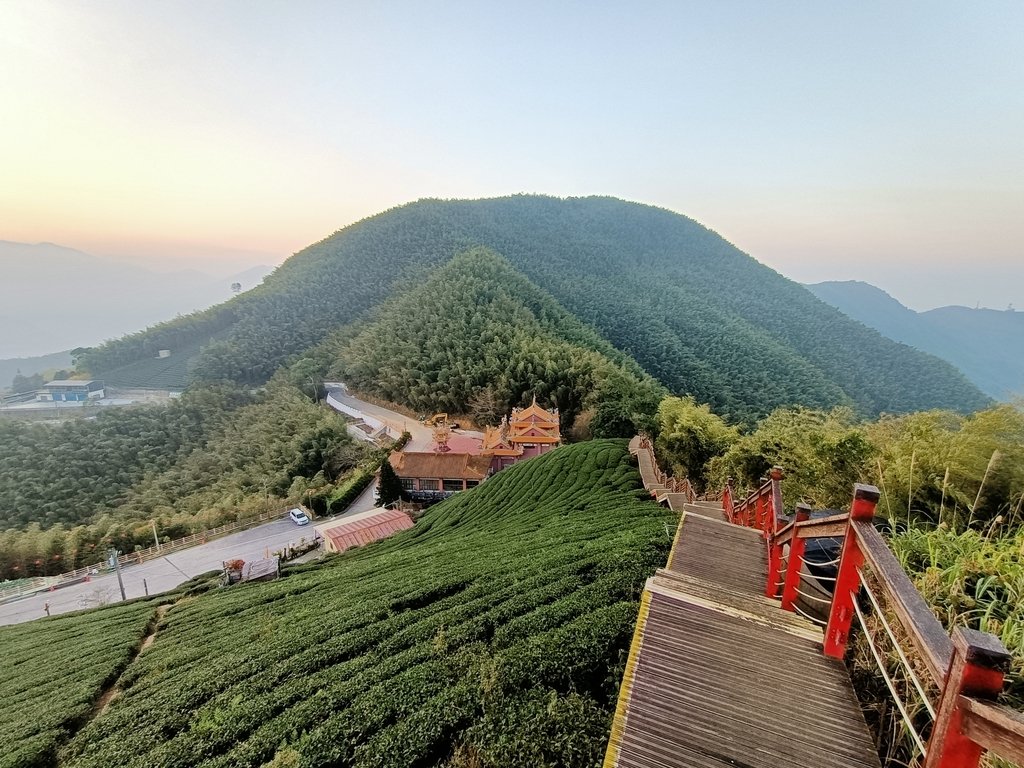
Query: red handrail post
column 775, row 503
column 976, row 669
column 727, row 502
column 796, row 554
column 837, row 632
column 774, row 550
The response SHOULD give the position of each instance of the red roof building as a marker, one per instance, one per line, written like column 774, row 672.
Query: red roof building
column 364, row 528
column 528, row 432
column 433, row 476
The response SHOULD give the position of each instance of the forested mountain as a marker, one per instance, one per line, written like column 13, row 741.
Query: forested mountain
column 479, row 337
column 986, row 344
column 696, row 313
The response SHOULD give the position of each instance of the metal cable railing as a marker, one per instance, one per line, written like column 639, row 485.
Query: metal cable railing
column 896, row 645
column 949, row 714
column 889, row 682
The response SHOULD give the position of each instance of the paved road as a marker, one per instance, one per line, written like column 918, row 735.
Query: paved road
column 422, row 437
column 168, row 572
column 161, row 574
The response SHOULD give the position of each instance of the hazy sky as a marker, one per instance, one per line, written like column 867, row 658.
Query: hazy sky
column 879, row 141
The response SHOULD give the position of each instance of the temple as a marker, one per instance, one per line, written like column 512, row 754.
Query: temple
column 528, row 432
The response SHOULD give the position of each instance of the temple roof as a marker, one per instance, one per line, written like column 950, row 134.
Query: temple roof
column 534, row 414
column 533, row 425
column 453, row 466
column 496, row 442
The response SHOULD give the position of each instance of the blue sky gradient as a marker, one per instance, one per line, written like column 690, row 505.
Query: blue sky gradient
column 874, row 141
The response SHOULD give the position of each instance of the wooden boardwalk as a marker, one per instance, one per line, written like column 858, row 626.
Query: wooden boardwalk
column 718, row 675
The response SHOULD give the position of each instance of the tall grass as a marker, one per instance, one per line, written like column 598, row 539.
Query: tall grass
column 975, row 579
column 972, row 578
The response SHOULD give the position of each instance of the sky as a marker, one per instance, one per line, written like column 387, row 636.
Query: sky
column 831, row 141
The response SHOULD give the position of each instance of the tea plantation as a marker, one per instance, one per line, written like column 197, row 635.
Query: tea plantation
column 52, row 672
column 493, row 633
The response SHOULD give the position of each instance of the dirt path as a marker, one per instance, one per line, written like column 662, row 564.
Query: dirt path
column 114, row 689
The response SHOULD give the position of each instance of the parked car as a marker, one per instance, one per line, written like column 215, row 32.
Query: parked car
column 297, row 516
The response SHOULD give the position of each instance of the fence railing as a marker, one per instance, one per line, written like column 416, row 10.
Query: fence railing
column 944, row 688
column 41, row 583
column 660, row 481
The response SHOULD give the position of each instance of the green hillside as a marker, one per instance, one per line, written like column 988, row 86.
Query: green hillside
column 54, row 671
column 698, row 314
column 986, row 344
column 208, row 458
column 478, row 336
column 493, row 633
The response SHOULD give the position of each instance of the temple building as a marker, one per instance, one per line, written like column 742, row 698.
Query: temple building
column 528, row 432
column 434, row 476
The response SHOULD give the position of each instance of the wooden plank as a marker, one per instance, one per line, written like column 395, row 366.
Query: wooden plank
column 924, row 630
column 824, row 530
column 708, row 686
column 998, row 729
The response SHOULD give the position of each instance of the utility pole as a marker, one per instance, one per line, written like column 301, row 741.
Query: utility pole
column 117, row 567
column 155, row 538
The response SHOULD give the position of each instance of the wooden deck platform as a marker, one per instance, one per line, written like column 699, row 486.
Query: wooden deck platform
column 719, row 675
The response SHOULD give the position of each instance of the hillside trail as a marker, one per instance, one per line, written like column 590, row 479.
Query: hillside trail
column 718, row 675
column 113, row 690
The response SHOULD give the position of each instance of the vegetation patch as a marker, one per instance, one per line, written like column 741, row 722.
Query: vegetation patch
column 217, row 455
column 494, row 629
column 54, row 671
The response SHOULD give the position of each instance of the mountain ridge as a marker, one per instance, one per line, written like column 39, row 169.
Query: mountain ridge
column 695, row 312
column 986, row 344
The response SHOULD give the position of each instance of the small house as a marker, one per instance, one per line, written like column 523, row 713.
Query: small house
column 71, row 390
column 363, row 528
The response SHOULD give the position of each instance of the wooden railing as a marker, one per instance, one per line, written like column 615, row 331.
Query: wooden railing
column 962, row 675
column 668, row 482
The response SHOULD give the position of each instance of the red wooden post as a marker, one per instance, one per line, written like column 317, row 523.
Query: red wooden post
column 727, row 501
column 758, row 511
column 796, row 553
column 775, row 503
column 837, row 632
column 976, row 670
column 771, row 589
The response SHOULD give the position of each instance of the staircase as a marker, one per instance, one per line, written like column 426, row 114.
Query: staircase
column 717, row 674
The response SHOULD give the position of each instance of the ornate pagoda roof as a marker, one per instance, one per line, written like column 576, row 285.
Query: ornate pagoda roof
column 496, row 442
column 533, row 424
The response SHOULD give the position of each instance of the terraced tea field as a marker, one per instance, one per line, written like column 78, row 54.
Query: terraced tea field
column 493, row 633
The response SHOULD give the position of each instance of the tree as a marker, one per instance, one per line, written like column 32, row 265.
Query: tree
column 389, row 487
column 690, row 436
column 823, row 453
column 26, row 383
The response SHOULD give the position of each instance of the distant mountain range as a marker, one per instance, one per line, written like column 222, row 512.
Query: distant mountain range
column 986, row 344
column 56, row 298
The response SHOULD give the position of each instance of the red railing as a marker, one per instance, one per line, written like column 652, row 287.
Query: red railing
column 963, row 674
column 761, row 509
